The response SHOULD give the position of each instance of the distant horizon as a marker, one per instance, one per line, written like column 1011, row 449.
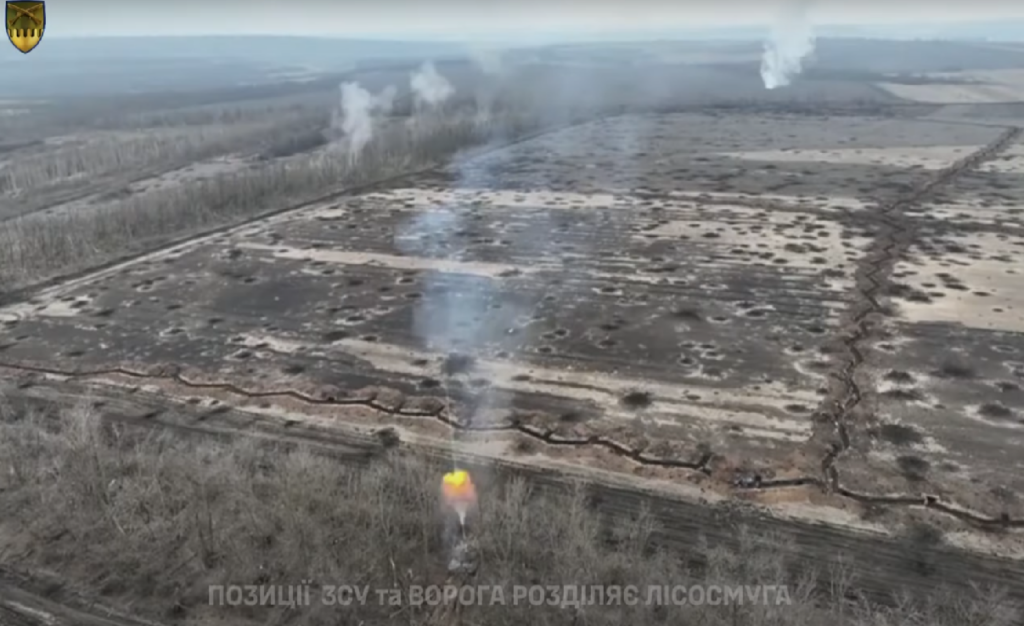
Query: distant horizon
column 500, row 22
column 748, row 33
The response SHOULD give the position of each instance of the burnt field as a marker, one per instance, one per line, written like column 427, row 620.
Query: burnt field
column 795, row 312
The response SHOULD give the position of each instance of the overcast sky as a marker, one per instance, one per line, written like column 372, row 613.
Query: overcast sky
column 477, row 20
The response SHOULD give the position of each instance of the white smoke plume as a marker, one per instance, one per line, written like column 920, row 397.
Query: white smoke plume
column 489, row 60
column 429, row 88
column 791, row 41
column 385, row 100
column 356, row 117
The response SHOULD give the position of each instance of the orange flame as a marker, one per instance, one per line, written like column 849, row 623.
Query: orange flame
column 458, row 491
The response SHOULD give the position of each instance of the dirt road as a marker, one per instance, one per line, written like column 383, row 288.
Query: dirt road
column 24, row 603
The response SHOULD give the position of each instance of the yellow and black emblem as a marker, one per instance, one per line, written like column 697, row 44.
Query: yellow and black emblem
column 26, row 22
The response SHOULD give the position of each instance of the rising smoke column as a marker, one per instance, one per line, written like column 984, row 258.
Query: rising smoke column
column 791, row 41
column 385, row 100
column 453, row 315
column 356, row 116
column 430, row 90
column 458, row 312
column 444, row 318
column 489, row 62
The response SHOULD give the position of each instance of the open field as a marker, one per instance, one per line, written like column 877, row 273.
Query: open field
column 648, row 329
column 980, row 87
column 796, row 312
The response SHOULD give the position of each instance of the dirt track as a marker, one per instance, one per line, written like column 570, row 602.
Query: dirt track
column 26, row 602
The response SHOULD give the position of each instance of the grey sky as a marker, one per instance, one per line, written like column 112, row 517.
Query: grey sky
column 475, row 19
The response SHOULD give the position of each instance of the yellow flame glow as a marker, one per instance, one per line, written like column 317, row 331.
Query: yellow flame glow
column 458, row 478
column 458, row 492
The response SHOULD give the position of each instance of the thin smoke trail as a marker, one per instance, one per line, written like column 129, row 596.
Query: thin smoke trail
column 451, row 416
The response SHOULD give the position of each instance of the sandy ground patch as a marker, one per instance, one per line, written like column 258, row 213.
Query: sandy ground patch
column 672, row 200
column 973, row 210
column 804, row 244
column 1012, row 548
column 1011, row 161
column 992, row 87
column 343, row 257
column 671, row 404
column 929, row 158
column 978, row 286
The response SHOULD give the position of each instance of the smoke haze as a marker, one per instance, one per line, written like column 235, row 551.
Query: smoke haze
column 385, row 101
column 490, row 62
column 791, row 41
column 429, row 88
column 357, row 115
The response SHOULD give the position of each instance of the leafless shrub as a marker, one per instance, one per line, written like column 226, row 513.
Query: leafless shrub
column 34, row 247
column 132, row 514
column 119, row 151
